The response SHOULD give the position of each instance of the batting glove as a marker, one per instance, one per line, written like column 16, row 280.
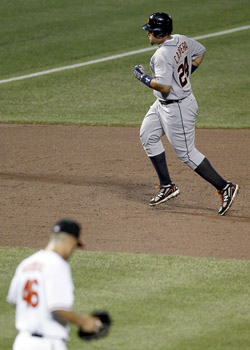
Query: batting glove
column 139, row 73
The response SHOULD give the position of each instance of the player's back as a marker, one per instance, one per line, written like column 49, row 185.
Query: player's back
column 31, row 291
column 172, row 64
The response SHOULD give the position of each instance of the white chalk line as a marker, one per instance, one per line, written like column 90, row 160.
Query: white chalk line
column 114, row 57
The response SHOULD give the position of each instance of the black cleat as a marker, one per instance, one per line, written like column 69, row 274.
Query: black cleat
column 164, row 194
column 227, row 196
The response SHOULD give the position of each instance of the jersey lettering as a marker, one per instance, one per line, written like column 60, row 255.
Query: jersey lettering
column 183, row 71
column 182, row 48
column 29, row 294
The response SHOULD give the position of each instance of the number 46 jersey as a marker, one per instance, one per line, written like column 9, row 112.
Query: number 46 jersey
column 42, row 284
column 171, row 65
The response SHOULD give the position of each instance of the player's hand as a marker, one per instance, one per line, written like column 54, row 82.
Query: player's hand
column 142, row 69
column 91, row 324
column 139, row 71
column 102, row 329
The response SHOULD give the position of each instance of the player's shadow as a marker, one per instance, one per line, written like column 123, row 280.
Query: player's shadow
column 118, row 187
column 129, row 190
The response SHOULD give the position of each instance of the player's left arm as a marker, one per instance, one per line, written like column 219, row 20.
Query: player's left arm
column 87, row 322
column 196, row 62
column 198, row 53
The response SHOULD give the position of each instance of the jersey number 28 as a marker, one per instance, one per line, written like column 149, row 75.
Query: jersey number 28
column 183, row 71
column 29, row 294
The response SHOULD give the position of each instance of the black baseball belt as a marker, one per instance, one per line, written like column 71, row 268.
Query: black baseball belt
column 42, row 336
column 167, row 102
column 37, row 335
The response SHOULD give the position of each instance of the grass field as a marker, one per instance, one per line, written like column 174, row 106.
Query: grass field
column 157, row 302
column 40, row 36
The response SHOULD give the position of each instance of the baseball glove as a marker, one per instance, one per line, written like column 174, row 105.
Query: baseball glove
column 106, row 321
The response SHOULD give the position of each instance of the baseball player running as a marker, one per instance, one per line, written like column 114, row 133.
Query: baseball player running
column 42, row 292
column 175, row 109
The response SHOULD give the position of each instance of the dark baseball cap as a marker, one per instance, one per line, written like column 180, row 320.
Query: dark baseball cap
column 70, row 227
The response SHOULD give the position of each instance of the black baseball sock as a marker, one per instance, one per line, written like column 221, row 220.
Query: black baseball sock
column 207, row 172
column 160, row 165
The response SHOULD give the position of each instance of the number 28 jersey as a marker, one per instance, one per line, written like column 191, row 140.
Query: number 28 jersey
column 171, row 65
column 42, row 284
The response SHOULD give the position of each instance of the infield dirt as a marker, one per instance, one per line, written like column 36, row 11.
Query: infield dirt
column 101, row 177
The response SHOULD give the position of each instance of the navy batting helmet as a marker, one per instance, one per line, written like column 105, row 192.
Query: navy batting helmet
column 160, row 23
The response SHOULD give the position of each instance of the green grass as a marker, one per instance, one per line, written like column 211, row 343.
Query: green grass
column 156, row 302
column 39, row 34
column 42, row 35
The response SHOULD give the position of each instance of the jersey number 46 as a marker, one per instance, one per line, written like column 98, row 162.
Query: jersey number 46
column 29, row 294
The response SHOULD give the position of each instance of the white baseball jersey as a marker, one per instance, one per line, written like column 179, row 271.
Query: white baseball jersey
column 42, row 283
column 171, row 65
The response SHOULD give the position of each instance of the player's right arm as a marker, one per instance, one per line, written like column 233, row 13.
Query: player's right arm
column 151, row 82
column 164, row 89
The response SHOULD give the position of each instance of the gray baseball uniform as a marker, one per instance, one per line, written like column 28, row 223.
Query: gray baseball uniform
column 171, row 65
column 174, row 112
